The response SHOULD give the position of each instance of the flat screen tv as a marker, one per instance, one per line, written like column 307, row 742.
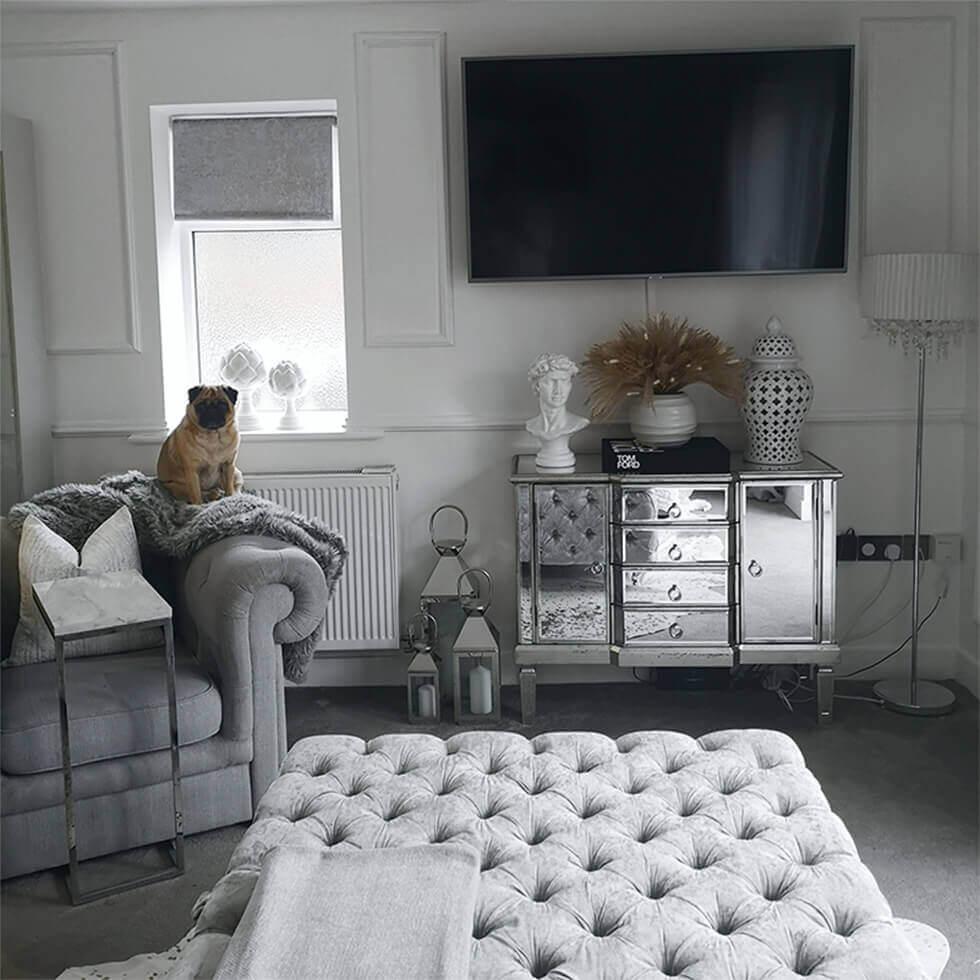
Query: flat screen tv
column 711, row 163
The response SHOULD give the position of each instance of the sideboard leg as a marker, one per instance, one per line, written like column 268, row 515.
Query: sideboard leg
column 825, row 695
column 529, row 678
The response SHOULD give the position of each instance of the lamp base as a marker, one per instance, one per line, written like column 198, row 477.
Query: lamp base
column 931, row 698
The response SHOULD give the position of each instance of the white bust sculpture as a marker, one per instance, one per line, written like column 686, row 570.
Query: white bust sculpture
column 551, row 378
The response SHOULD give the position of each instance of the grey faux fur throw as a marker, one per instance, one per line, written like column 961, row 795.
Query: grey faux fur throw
column 176, row 529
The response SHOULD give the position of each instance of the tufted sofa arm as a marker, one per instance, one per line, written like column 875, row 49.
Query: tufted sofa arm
column 238, row 600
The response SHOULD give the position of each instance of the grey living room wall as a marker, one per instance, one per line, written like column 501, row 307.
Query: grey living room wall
column 450, row 413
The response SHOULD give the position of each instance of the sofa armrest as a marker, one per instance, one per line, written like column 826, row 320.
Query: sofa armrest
column 241, row 598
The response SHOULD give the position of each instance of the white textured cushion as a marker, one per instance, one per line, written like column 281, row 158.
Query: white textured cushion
column 650, row 855
column 44, row 556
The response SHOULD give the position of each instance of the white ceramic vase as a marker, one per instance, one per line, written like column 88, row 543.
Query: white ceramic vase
column 670, row 421
column 778, row 393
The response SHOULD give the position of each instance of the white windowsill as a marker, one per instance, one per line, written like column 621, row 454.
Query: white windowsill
column 317, row 426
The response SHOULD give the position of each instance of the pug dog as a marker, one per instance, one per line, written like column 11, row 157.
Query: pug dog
column 197, row 460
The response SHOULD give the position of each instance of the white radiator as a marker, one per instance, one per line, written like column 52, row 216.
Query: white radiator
column 360, row 506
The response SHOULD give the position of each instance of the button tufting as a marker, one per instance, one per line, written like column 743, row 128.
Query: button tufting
column 543, row 891
column 701, row 862
column 544, row 963
column 481, row 931
column 602, row 928
column 492, row 857
column 538, row 788
column 647, row 833
column 595, row 862
column 775, row 890
column 656, row 888
column 845, row 922
column 638, row 843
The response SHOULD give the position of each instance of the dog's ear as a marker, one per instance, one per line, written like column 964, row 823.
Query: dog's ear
column 192, row 393
column 232, row 393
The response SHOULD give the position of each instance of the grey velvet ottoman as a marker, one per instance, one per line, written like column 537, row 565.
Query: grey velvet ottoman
column 652, row 855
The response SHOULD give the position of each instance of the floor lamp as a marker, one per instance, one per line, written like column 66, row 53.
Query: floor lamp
column 923, row 300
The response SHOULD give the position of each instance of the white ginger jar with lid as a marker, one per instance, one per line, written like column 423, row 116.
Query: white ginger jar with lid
column 778, row 394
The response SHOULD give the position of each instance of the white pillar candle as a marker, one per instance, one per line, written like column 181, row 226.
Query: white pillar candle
column 481, row 691
column 427, row 701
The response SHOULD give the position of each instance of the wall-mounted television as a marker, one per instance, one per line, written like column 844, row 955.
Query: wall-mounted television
column 707, row 163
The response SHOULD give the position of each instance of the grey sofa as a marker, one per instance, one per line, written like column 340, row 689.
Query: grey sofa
column 235, row 602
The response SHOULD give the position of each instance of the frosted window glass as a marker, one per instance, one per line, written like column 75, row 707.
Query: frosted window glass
column 283, row 293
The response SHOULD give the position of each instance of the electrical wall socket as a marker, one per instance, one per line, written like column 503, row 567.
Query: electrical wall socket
column 947, row 547
column 882, row 547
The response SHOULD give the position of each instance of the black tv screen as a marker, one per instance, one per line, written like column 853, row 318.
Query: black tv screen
column 658, row 164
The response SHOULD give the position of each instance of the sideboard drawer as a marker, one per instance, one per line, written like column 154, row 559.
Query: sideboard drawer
column 661, row 503
column 651, row 627
column 673, row 586
column 671, row 545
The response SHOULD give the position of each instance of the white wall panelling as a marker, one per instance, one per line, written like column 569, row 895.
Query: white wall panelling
column 404, row 197
column 73, row 94
column 908, row 124
column 454, row 412
column 31, row 393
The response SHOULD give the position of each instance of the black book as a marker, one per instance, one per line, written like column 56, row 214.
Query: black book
column 703, row 454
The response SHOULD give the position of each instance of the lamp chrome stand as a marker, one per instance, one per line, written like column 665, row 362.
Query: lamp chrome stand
column 914, row 696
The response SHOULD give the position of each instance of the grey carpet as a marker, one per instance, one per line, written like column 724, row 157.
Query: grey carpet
column 906, row 788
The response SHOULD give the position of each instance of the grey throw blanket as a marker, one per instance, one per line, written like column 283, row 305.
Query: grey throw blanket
column 393, row 913
column 176, row 529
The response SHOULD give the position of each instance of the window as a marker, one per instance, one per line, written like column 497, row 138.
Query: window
column 249, row 247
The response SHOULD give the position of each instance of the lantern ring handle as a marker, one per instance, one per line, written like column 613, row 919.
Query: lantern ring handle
column 424, row 618
column 475, row 603
column 457, row 546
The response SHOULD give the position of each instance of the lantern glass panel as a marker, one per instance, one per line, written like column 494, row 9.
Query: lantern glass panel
column 423, row 704
column 477, row 683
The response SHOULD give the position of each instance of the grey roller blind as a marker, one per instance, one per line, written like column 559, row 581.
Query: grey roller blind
column 253, row 167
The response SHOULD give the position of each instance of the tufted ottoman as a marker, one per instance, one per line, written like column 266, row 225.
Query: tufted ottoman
column 647, row 856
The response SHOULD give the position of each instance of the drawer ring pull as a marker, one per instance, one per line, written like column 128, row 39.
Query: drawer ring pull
column 597, row 568
column 674, row 510
column 675, row 553
column 674, row 593
column 676, row 631
column 755, row 569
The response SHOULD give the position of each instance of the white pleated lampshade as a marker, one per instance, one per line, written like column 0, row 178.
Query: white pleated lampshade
column 925, row 299
column 920, row 286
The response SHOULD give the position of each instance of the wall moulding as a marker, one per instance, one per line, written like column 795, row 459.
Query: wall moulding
column 404, row 195
column 376, row 428
column 61, row 309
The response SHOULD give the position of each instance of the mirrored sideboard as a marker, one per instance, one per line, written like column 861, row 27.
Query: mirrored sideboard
column 677, row 570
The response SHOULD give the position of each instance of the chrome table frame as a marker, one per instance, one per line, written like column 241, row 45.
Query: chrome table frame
column 176, row 848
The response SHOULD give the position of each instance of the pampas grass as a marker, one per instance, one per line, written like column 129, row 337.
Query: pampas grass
column 661, row 356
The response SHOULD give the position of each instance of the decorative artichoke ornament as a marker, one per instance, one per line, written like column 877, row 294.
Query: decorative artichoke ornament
column 243, row 368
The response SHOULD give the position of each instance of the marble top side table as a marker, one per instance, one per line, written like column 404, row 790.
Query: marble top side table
column 96, row 605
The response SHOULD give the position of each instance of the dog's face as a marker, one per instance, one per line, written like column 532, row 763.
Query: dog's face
column 211, row 407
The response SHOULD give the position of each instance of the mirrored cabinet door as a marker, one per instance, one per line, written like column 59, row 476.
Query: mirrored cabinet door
column 571, row 527
column 779, row 562
column 525, row 602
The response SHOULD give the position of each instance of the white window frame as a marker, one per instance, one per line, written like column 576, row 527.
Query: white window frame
column 175, row 237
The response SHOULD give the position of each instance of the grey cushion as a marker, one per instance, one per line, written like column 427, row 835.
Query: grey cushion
column 117, row 707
